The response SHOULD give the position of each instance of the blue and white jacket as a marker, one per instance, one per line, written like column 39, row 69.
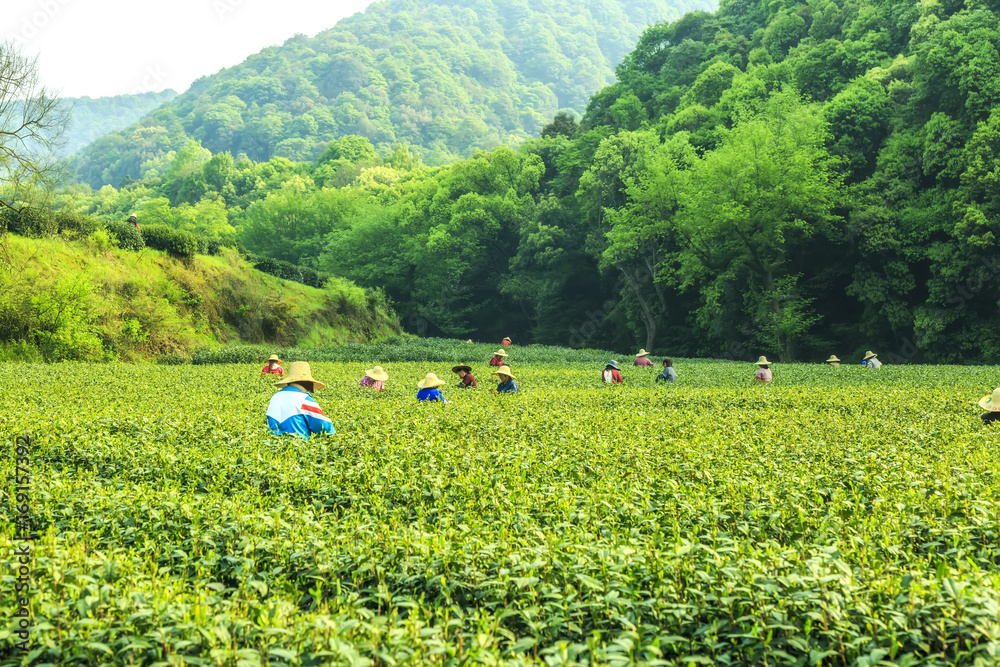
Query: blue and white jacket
column 293, row 411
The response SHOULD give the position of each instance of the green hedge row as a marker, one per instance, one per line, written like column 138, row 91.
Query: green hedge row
column 38, row 223
column 400, row 349
column 126, row 236
column 174, row 242
column 288, row 271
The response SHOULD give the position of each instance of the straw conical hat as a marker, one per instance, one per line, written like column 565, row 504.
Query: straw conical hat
column 762, row 361
column 506, row 337
column 870, row 355
column 298, row 371
column 499, row 353
column 430, row 381
column 377, row 374
column 462, row 367
column 274, row 357
column 991, row 402
column 504, row 370
column 833, row 359
column 642, row 353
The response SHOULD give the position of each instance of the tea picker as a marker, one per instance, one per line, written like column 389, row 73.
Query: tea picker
column 293, row 410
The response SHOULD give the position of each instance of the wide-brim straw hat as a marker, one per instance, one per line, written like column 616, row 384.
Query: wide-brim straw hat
column 642, row 353
column 499, row 353
column 274, row 357
column 431, row 381
column 298, row 371
column 377, row 374
column 762, row 361
column 870, row 355
column 833, row 359
column 506, row 338
column 613, row 364
column 504, row 370
column 991, row 402
column 462, row 367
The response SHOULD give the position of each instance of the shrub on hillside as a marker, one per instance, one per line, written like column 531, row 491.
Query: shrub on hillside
column 126, row 236
column 174, row 242
column 172, row 360
column 39, row 222
column 398, row 349
column 31, row 222
column 288, row 271
column 75, row 225
column 234, row 354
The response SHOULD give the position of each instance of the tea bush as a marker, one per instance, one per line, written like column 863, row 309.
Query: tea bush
column 174, row 242
column 126, row 236
column 399, row 349
column 288, row 271
column 837, row 516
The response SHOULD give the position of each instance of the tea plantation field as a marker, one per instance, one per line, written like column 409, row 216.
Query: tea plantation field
column 835, row 517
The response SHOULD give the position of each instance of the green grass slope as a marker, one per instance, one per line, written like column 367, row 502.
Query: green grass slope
column 445, row 76
column 88, row 301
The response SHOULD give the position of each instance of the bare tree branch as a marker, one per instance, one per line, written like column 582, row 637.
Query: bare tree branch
column 32, row 121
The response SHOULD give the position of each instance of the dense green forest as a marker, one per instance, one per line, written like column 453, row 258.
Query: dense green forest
column 444, row 76
column 788, row 178
column 92, row 118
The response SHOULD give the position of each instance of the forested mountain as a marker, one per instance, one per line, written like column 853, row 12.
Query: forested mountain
column 444, row 76
column 792, row 178
column 91, row 118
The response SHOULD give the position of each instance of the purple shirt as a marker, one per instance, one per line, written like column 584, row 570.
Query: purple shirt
column 374, row 384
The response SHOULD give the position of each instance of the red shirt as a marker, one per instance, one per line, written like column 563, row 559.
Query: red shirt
column 469, row 381
column 615, row 375
column 277, row 370
column 642, row 361
column 497, row 361
column 505, row 342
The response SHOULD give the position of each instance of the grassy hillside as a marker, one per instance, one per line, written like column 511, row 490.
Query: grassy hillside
column 445, row 76
column 89, row 301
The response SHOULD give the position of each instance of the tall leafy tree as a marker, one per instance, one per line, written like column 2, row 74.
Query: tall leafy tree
column 752, row 204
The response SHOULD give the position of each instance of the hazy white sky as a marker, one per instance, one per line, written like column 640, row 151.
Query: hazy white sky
column 112, row 47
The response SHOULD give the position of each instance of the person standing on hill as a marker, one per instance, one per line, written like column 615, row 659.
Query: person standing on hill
column 611, row 374
column 430, row 389
column 642, row 359
column 375, row 379
column 505, row 342
column 763, row 370
column 499, row 359
column 293, row 410
column 273, row 366
column 871, row 360
column 669, row 375
column 465, row 375
column 507, row 385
